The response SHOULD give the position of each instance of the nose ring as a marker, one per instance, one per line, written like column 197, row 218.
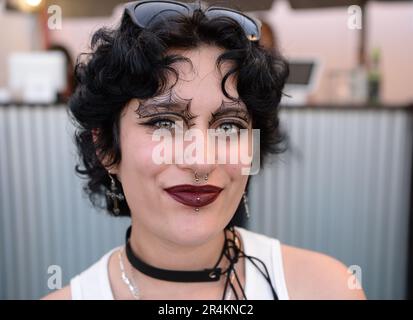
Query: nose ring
column 197, row 178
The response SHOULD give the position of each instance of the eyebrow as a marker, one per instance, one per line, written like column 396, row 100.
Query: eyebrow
column 231, row 108
column 182, row 106
column 167, row 102
column 151, row 107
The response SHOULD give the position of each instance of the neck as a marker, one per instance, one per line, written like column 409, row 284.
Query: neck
column 165, row 254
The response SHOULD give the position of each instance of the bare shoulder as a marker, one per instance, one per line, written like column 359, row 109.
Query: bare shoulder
column 61, row 294
column 311, row 275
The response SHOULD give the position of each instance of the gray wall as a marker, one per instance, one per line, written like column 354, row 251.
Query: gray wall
column 343, row 190
column 44, row 217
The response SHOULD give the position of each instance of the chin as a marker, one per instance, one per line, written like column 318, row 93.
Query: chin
column 194, row 231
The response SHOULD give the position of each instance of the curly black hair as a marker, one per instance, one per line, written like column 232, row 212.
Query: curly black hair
column 127, row 62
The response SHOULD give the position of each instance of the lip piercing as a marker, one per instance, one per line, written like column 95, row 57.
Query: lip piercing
column 198, row 199
column 197, row 209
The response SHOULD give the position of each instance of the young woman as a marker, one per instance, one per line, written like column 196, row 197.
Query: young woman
column 172, row 67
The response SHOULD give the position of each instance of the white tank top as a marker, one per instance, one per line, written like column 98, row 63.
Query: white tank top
column 94, row 284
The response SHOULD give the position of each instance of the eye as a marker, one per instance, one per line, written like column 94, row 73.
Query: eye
column 161, row 123
column 164, row 124
column 229, row 128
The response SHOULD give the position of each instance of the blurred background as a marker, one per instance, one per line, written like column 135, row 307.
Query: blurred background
column 343, row 188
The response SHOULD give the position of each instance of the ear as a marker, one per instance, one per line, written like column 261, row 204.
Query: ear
column 103, row 160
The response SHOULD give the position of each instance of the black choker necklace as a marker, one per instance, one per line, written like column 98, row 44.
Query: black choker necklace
column 232, row 251
column 206, row 275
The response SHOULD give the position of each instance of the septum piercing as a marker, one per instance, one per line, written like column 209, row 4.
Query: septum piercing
column 197, row 178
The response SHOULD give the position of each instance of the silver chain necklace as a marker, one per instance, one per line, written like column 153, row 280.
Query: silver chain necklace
column 133, row 288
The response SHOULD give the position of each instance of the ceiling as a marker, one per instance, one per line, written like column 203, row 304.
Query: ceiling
column 98, row 8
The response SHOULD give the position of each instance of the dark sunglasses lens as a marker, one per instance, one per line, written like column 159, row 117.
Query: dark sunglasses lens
column 152, row 12
column 249, row 26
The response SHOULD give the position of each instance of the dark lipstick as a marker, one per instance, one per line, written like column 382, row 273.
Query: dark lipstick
column 194, row 196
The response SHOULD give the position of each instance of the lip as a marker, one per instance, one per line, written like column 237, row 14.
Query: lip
column 194, row 196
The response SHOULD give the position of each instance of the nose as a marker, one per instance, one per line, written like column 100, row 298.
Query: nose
column 202, row 159
column 198, row 173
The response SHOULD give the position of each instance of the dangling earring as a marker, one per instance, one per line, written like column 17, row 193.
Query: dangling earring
column 247, row 210
column 115, row 195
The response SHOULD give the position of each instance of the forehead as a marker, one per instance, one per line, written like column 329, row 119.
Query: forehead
column 201, row 75
column 198, row 87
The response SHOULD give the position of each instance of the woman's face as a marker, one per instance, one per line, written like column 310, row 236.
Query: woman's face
column 144, row 180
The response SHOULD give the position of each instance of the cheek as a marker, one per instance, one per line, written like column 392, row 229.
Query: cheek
column 237, row 180
column 137, row 165
column 238, row 155
column 233, row 171
column 235, row 188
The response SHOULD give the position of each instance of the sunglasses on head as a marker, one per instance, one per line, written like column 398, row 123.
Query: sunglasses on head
column 144, row 13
